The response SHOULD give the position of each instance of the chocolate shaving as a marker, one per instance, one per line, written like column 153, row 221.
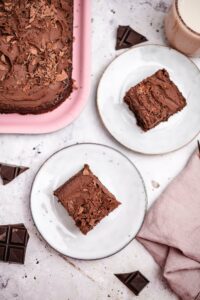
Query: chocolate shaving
column 62, row 76
column 127, row 37
column 3, row 68
column 3, row 59
column 155, row 184
column 33, row 51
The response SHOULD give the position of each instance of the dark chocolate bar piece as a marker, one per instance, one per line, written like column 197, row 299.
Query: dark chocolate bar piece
column 127, row 37
column 13, row 243
column 10, row 172
column 134, row 281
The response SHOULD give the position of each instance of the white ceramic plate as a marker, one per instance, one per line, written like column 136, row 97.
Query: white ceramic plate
column 130, row 68
column 115, row 231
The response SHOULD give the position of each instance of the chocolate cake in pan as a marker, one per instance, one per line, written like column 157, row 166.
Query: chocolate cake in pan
column 36, row 41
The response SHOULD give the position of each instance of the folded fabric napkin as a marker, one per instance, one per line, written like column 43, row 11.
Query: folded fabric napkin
column 171, row 232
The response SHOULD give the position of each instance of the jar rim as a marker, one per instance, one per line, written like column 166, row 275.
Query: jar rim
column 189, row 28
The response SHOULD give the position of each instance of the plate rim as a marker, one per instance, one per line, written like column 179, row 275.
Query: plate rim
column 98, row 101
column 93, row 144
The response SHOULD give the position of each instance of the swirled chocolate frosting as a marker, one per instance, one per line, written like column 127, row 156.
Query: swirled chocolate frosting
column 154, row 100
column 86, row 199
column 36, row 39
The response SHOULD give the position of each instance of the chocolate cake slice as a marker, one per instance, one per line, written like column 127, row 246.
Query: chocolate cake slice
column 36, row 40
column 127, row 37
column 86, row 199
column 154, row 100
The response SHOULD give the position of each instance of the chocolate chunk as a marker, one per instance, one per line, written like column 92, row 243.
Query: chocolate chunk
column 134, row 281
column 18, row 236
column 86, row 199
column 154, row 100
column 10, row 172
column 127, row 37
column 13, row 243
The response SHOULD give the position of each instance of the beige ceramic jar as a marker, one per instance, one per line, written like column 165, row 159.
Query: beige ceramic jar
column 182, row 26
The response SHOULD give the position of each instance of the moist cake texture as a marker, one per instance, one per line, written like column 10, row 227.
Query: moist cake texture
column 154, row 100
column 36, row 39
column 86, row 199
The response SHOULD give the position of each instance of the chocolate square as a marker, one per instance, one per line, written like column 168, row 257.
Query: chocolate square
column 3, row 234
column 16, row 255
column 18, row 236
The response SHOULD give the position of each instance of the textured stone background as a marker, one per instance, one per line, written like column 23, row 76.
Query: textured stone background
column 46, row 274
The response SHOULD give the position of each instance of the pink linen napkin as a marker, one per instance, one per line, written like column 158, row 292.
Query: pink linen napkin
column 171, row 232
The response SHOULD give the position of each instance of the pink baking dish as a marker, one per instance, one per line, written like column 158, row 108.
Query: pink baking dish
column 72, row 107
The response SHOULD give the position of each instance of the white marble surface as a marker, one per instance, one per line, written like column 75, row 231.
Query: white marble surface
column 46, row 274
